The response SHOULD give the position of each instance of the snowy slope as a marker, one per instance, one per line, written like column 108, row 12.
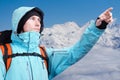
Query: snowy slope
column 100, row 63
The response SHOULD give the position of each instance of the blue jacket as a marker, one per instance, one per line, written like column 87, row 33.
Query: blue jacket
column 33, row 68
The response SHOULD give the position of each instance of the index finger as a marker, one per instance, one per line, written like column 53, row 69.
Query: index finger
column 109, row 9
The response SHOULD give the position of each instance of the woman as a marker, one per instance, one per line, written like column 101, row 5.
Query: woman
column 27, row 25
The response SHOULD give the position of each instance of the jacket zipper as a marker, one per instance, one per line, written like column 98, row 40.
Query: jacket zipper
column 29, row 59
column 28, row 71
column 43, row 64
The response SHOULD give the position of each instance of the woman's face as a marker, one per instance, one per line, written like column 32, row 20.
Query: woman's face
column 32, row 24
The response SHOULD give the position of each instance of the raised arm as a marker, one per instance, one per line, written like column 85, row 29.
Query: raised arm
column 63, row 58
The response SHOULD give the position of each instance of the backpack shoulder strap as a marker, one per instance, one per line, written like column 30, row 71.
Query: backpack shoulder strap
column 6, row 50
column 44, row 54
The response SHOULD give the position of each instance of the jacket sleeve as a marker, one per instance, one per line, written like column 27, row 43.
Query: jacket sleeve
column 2, row 67
column 61, row 59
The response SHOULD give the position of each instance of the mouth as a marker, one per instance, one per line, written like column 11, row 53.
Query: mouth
column 37, row 29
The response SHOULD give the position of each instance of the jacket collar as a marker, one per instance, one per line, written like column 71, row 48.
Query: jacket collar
column 26, row 39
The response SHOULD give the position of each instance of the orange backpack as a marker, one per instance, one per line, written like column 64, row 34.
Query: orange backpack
column 7, row 55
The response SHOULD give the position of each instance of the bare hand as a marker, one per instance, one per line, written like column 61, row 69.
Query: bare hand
column 105, row 16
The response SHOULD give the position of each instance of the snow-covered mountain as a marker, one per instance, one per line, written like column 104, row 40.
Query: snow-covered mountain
column 61, row 35
column 111, row 37
column 64, row 35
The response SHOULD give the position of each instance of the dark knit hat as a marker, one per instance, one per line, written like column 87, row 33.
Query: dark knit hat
column 36, row 12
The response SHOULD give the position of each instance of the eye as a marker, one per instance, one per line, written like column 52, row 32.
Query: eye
column 39, row 19
column 32, row 18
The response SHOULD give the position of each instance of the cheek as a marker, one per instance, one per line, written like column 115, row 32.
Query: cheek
column 27, row 27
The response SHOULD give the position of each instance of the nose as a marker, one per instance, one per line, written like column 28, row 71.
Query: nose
column 37, row 23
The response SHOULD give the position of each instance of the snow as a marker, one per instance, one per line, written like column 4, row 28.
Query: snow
column 101, row 63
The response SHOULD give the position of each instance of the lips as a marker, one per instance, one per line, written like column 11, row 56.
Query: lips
column 36, row 29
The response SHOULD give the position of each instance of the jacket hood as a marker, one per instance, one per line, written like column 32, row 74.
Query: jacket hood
column 17, row 15
column 20, row 12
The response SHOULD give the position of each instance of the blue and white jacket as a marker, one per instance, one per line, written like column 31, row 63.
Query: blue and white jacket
column 33, row 68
